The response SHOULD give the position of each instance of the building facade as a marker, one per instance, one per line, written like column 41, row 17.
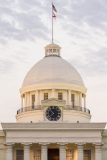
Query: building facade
column 53, row 122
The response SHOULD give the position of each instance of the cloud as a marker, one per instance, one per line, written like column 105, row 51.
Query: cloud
column 20, row 21
column 93, row 63
column 5, row 67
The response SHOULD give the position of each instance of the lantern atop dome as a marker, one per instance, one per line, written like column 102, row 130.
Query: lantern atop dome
column 52, row 50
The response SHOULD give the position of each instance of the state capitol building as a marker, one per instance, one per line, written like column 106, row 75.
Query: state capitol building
column 53, row 121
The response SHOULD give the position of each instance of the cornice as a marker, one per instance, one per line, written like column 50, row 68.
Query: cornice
column 43, row 86
column 53, row 126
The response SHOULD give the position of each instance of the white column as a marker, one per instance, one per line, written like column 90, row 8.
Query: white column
column 28, row 99
column 84, row 101
column 53, row 93
column 98, row 148
column 62, row 151
column 69, row 97
column 26, row 150
column 9, row 154
column 21, row 101
column 80, row 151
column 36, row 100
column 80, row 99
column 44, row 151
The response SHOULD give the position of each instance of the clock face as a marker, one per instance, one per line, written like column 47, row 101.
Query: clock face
column 53, row 113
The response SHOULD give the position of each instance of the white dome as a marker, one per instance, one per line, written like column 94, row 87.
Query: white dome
column 53, row 70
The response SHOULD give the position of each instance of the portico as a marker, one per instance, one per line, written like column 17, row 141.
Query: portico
column 70, row 140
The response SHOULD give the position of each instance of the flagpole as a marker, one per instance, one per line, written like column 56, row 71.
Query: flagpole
column 52, row 22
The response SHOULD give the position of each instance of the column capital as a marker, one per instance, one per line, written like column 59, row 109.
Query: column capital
column 62, row 144
column 98, row 146
column 44, row 144
column 80, row 145
column 26, row 144
column 9, row 144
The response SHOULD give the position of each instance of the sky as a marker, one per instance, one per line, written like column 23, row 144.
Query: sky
column 80, row 29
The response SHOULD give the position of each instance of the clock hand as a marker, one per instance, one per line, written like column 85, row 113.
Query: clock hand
column 51, row 113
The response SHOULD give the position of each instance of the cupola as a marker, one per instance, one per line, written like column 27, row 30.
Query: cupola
column 52, row 50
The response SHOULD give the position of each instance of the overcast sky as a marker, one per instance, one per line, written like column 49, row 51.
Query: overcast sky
column 81, row 31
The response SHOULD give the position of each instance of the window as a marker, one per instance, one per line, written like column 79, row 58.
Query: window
column 57, row 52
column 87, row 154
column 45, row 96
column 54, row 51
column 19, row 154
column 72, row 99
column 33, row 100
column 69, row 154
column 60, row 96
column 37, row 154
column 50, row 51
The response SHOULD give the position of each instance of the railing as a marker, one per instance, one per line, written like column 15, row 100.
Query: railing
column 30, row 108
column 77, row 108
column 39, row 107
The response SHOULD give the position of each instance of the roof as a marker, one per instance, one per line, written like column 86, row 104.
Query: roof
column 52, row 45
column 53, row 70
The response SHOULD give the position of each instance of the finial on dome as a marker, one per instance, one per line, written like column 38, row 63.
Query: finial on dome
column 52, row 50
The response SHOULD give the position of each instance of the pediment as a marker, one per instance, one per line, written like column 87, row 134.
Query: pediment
column 53, row 102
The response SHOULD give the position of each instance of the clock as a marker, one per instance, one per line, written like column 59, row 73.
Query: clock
column 53, row 113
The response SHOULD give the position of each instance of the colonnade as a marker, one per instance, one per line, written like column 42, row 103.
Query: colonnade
column 44, row 150
column 53, row 96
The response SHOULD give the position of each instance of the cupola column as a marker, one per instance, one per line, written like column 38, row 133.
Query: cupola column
column 62, row 150
column 25, row 100
column 80, row 151
column 21, row 101
column 53, row 93
column 9, row 150
column 37, row 101
column 84, row 101
column 44, row 151
column 80, row 99
column 26, row 150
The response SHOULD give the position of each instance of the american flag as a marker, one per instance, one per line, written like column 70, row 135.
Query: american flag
column 53, row 7
column 54, row 16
